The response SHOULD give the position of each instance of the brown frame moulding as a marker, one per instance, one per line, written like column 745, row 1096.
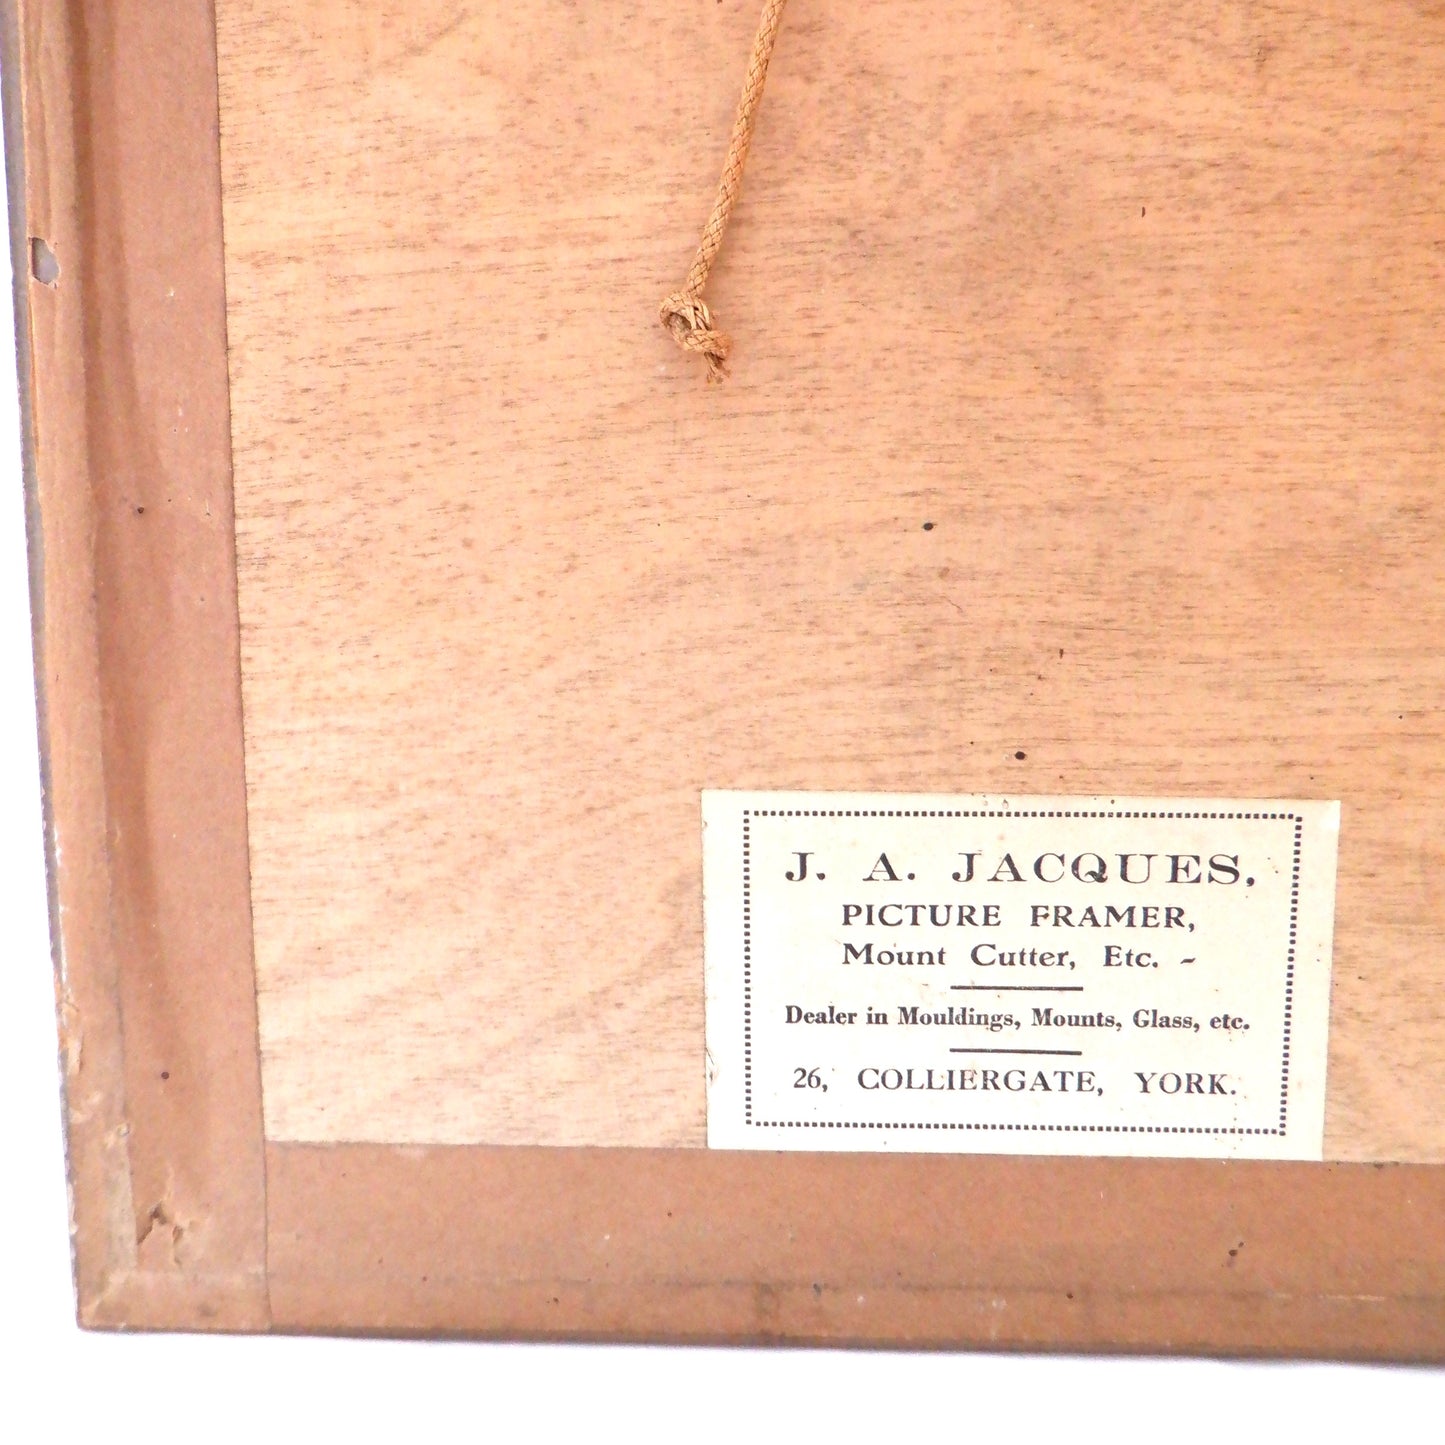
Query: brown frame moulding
column 184, row 1217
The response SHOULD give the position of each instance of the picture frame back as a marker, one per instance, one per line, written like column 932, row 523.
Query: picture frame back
column 399, row 588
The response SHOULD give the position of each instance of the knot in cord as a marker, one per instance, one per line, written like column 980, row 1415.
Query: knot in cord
column 687, row 317
column 685, row 313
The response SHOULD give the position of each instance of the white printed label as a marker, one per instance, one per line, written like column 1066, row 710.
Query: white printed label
column 1018, row 976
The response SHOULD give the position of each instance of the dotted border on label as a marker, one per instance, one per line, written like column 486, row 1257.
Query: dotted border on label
column 750, row 813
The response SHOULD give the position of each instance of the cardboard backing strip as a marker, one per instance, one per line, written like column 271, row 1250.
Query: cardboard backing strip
column 1189, row 1256
column 133, row 543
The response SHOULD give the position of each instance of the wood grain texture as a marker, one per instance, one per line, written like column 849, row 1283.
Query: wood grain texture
column 1141, row 310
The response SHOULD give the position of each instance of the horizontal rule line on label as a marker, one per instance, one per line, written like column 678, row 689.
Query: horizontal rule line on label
column 1018, row 987
column 1063, row 1053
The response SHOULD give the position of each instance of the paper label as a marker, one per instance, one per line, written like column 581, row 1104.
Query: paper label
column 1018, row 976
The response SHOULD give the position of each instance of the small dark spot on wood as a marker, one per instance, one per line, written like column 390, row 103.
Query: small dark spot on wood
column 928, row 526
column 1020, row 755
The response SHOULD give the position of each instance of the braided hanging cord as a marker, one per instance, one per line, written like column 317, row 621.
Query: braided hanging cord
column 685, row 313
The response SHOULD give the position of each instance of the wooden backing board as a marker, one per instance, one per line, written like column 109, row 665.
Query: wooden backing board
column 514, row 585
column 1148, row 344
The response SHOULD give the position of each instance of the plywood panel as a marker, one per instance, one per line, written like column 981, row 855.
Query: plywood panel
column 1083, row 436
